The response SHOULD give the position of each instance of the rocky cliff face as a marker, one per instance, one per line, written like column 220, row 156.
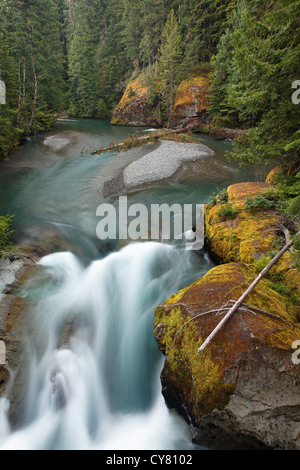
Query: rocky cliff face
column 191, row 103
column 242, row 391
column 134, row 108
column 190, row 107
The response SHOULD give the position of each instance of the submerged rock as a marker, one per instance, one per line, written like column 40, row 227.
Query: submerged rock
column 242, row 391
column 60, row 142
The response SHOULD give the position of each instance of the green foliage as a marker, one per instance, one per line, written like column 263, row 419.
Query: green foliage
column 6, row 233
column 228, row 212
column 206, row 20
column 31, row 65
column 259, row 202
column 296, row 252
column 287, row 194
column 79, row 56
column 262, row 263
column 170, row 58
column 131, row 93
column 255, row 67
column 220, row 197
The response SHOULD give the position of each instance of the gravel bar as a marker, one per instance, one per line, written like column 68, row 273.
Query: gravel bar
column 163, row 162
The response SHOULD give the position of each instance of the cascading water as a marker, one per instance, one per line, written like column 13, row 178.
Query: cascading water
column 98, row 387
column 90, row 365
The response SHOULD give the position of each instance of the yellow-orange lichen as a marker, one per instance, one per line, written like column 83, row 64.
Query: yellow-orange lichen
column 193, row 91
column 182, row 323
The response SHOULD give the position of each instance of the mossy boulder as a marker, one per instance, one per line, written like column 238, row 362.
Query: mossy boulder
column 134, row 109
column 242, row 391
column 234, row 233
column 191, row 103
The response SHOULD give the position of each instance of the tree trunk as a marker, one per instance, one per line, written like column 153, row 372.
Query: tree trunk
column 24, row 81
column 72, row 16
column 35, row 92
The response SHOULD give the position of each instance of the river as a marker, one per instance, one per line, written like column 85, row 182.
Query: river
column 93, row 366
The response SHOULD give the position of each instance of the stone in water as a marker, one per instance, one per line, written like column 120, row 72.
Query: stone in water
column 2, row 352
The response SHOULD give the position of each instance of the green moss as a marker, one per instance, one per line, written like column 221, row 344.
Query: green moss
column 197, row 377
column 6, row 233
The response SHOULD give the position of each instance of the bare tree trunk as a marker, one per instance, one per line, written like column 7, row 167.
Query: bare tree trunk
column 24, row 81
column 72, row 16
column 237, row 304
column 35, row 92
column 19, row 95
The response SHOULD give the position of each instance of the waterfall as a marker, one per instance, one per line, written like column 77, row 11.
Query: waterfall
column 93, row 363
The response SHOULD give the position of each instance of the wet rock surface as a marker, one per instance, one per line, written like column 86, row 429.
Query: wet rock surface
column 134, row 108
column 242, row 391
column 60, row 142
column 14, row 268
column 163, row 162
column 191, row 103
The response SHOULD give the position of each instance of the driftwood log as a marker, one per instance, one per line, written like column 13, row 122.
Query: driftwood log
column 240, row 301
column 141, row 139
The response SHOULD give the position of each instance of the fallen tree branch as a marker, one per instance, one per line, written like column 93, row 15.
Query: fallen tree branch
column 269, row 314
column 224, row 309
column 140, row 139
column 238, row 303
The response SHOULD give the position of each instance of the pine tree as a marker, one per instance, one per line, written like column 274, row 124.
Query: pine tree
column 85, row 19
column 9, row 132
column 31, row 31
column 203, row 23
column 265, row 54
column 170, row 58
column 113, row 67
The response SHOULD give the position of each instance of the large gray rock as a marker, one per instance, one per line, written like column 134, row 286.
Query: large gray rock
column 243, row 390
column 163, row 163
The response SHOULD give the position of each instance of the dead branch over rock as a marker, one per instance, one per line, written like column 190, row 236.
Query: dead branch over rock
column 240, row 301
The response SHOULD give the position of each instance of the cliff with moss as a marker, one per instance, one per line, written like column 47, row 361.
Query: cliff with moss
column 135, row 107
column 191, row 103
column 242, row 390
column 140, row 105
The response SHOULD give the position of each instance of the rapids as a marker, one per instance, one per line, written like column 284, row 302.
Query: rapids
column 92, row 363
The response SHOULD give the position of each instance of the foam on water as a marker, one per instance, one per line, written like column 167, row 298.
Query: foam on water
column 100, row 387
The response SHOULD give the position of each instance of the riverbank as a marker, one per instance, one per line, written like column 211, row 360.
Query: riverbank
column 242, row 392
column 15, row 267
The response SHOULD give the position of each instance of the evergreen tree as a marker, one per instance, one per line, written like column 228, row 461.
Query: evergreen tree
column 170, row 58
column 9, row 132
column 131, row 30
column 265, row 38
column 203, row 22
column 152, row 22
column 85, row 19
column 31, row 31
column 113, row 67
